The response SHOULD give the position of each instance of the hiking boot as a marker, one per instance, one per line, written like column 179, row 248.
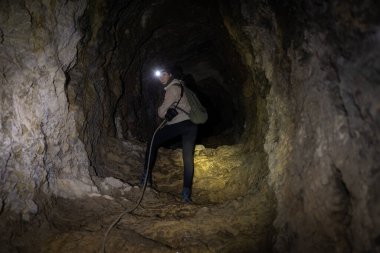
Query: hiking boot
column 186, row 195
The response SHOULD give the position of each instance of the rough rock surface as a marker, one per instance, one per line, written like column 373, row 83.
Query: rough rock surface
column 40, row 150
column 295, row 133
column 321, row 63
column 221, row 174
column 162, row 223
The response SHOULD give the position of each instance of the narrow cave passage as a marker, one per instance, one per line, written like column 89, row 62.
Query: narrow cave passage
column 194, row 42
column 287, row 161
column 198, row 46
column 112, row 99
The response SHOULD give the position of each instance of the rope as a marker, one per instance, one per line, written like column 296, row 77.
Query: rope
column 142, row 194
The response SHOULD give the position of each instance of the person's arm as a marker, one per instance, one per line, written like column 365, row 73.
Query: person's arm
column 171, row 97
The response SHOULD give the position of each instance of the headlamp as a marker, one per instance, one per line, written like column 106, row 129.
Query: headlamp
column 158, row 73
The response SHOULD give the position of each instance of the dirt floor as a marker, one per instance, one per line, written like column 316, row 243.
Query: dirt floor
column 161, row 224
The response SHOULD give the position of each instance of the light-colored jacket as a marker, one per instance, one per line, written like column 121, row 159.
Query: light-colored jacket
column 172, row 95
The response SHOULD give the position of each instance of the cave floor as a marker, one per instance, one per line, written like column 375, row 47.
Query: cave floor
column 161, row 224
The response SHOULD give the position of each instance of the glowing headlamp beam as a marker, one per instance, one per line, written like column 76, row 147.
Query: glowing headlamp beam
column 157, row 73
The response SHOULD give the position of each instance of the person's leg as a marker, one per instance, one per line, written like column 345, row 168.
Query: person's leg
column 188, row 143
column 164, row 134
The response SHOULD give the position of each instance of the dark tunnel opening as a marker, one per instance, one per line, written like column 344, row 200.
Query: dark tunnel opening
column 114, row 83
column 193, row 39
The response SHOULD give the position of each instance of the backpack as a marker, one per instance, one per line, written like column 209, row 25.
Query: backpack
column 198, row 113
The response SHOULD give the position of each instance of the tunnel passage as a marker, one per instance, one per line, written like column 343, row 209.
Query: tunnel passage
column 289, row 161
column 120, row 95
column 190, row 38
column 118, row 91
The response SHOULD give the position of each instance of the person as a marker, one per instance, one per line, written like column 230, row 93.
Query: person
column 173, row 110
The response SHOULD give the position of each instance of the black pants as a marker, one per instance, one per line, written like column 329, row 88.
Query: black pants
column 188, row 131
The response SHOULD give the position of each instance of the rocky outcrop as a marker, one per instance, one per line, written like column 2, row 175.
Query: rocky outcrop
column 40, row 150
column 320, row 61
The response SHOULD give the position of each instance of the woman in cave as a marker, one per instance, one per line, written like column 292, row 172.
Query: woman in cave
column 178, row 124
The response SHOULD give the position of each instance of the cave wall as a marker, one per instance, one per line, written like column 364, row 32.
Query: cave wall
column 310, row 104
column 318, row 90
column 112, row 87
column 40, row 151
column 105, row 85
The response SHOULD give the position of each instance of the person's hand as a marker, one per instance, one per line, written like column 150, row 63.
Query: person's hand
column 170, row 114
